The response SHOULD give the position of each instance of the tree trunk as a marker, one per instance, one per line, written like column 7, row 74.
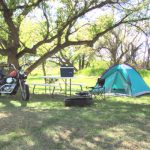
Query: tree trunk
column 80, row 63
column 148, row 60
column 83, row 61
column 12, row 58
column 44, row 70
column 45, row 56
column 87, row 65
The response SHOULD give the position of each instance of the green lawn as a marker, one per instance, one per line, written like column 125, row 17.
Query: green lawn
column 46, row 124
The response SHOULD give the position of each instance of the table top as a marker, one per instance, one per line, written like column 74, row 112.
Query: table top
column 56, row 77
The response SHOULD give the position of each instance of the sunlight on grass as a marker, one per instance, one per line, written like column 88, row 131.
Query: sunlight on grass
column 13, row 140
column 12, row 135
column 15, row 103
column 132, row 100
column 4, row 114
column 147, row 80
column 2, row 105
column 115, row 132
column 45, row 105
column 29, row 141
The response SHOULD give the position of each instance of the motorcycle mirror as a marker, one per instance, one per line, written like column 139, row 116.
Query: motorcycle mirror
column 9, row 65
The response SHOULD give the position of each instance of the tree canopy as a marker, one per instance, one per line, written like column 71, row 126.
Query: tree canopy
column 55, row 24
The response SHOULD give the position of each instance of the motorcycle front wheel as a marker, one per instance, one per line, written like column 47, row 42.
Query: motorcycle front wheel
column 25, row 94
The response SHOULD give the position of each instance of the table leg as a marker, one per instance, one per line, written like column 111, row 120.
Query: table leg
column 45, row 86
column 70, row 87
column 65, row 87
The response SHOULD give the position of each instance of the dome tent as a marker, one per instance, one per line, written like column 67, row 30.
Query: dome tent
column 124, row 79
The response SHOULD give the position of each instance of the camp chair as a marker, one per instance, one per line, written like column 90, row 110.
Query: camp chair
column 99, row 88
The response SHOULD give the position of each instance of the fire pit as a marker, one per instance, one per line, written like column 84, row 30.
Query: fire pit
column 79, row 101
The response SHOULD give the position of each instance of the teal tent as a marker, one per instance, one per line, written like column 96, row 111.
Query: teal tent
column 124, row 79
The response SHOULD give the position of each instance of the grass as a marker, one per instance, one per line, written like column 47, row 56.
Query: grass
column 96, row 69
column 44, row 124
column 146, row 75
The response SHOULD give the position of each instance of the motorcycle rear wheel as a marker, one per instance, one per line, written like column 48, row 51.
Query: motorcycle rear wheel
column 25, row 94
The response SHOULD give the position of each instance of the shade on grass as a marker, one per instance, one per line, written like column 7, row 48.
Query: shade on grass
column 44, row 123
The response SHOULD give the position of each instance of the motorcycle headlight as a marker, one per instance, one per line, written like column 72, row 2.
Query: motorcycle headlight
column 9, row 80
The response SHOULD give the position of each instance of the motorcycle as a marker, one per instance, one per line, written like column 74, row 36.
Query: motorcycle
column 9, row 84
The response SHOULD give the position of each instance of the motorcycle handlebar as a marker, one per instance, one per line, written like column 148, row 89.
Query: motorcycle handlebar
column 12, row 65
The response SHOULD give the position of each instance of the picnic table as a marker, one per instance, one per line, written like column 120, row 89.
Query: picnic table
column 50, row 81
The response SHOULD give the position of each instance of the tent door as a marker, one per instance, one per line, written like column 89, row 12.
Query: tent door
column 120, row 85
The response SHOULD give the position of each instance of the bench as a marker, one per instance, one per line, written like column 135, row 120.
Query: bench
column 76, row 84
column 45, row 85
column 54, row 86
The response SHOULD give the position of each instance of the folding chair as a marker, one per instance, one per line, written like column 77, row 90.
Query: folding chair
column 99, row 88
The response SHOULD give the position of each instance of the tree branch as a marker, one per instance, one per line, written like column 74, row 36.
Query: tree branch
column 60, row 31
column 3, row 52
column 47, row 25
column 14, row 31
column 26, row 9
column 34, row 48
column 26, row 6
column 138, row 27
